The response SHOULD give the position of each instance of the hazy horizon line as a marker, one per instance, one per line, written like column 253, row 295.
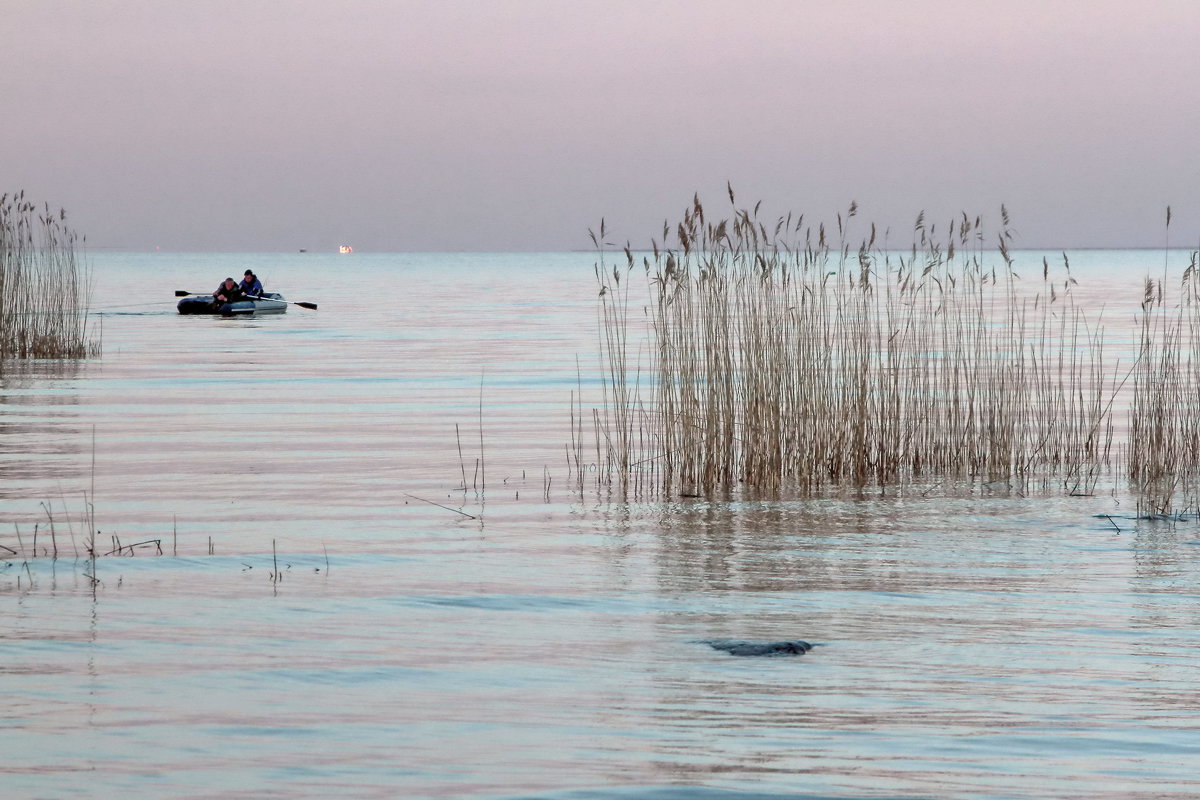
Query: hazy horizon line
column 614, row 248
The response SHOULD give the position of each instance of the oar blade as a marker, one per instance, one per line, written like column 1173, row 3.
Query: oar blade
column 313, row 306
column 182, row 293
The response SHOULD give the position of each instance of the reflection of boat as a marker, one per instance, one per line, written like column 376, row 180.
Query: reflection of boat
column 269, row 303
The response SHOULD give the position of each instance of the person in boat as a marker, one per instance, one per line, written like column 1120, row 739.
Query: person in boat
column 251, row 285
column 227, row 292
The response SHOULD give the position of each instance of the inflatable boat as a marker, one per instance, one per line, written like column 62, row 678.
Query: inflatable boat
column 268, row 303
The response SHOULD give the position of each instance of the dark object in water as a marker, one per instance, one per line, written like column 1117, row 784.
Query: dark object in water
column 735, row 648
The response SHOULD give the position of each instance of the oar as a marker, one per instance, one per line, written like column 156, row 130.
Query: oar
column 313, row 306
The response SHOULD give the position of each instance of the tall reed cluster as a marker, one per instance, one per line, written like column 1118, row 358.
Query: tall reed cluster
column 780, row 356
column 44, row 287
column 1164, row 418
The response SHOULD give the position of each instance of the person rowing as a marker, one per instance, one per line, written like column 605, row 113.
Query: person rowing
column 227, row 292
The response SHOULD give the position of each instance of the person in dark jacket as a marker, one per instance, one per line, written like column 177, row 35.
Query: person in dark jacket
column 227, row 292
column 251, row 285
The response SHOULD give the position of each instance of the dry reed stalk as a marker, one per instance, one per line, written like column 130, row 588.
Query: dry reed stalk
column 1164, row 425
column 44, row 289
column 785, row 359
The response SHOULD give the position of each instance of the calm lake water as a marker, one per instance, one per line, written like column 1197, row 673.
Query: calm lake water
column 514, row 638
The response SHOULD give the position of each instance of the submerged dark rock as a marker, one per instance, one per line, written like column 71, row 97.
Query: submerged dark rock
column 736, row 648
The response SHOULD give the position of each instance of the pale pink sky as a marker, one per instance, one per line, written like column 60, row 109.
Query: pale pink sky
column 436, row 125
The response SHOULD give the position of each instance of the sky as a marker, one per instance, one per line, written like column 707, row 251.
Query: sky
column 516, row 125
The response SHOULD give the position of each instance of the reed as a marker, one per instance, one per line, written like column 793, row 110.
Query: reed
column 787, row 357
column 1164, row 422
column 44, row 286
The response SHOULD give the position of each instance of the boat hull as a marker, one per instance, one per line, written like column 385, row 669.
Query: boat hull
column 269, row 303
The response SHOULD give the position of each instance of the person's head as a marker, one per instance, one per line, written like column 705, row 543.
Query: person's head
column 230, row 283
column 250, row 275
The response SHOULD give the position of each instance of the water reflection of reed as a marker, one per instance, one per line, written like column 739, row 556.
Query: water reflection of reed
column 784, row 357
column 39, row 423
column 1164, row 563
column 880, row 545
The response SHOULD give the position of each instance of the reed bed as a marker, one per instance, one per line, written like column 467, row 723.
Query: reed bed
column 44, row 286
column 1164, row 418
column 776, row 355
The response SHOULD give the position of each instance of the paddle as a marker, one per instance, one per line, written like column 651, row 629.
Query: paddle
column 182, row 293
